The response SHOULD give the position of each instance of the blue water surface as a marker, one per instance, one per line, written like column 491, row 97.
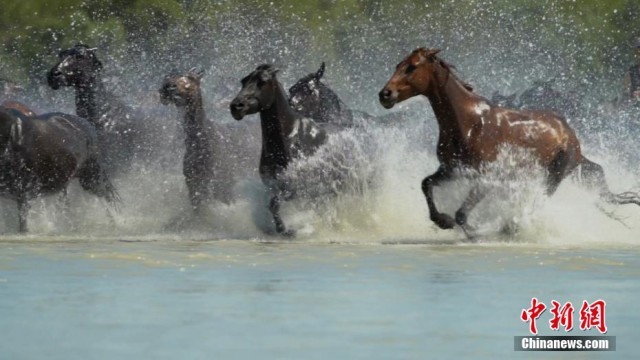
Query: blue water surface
column 77, row 299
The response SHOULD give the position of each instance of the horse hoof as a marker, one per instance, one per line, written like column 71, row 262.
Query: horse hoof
column 444, row 221
column 461, row 218
column 290, row 234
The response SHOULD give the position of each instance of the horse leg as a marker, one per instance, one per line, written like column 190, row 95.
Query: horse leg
column 557, row 170
column 476, row 195
column 66, row 206
column 94, row 179
column 23, row 213
column 443, row 221
column 593, row 178
column 274, row 208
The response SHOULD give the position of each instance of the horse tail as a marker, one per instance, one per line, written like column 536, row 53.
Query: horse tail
column 591, row 175
column 94, row 179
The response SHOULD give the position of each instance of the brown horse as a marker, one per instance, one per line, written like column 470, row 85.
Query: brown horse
column 217, row 156
column 472, row 132
column 18, row 106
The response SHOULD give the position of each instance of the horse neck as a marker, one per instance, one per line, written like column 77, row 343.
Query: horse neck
column 91, row 100
column 194, row 115
column 452, row 103
column 333, row 106
column 277, row 122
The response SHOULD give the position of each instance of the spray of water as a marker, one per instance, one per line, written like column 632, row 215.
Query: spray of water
column 365, row 185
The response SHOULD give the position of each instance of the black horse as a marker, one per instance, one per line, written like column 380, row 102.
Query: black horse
column 286, row 135
column 312, row 98
column 542, row 96
column 217, row 156
column 120, row 135
column 42, row 154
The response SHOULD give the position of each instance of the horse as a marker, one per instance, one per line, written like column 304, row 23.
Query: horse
column 9, row 91
column 120, row 135
column 541, row 96
column 41, row 154
column 286, row 135
column 472, row 131
column 312, row 98
column 216, row 156
column 18, row 106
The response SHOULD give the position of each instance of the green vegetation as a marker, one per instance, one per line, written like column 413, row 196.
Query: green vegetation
column 589, row 36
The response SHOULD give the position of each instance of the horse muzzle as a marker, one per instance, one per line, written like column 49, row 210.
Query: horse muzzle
column 241, row 107
column 56, row 79
column 387, row 98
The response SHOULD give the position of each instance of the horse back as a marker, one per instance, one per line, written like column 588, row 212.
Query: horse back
column 545, row 132
column 60, row 134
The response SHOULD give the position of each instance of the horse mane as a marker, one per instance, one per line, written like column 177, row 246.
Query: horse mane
column 451, row 68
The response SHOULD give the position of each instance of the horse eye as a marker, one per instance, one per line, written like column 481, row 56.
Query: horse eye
column 410, row 68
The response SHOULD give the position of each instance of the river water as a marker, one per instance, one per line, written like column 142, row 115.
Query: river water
column 74, row 298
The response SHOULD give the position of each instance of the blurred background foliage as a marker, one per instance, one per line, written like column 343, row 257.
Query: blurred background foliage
column 499, row 44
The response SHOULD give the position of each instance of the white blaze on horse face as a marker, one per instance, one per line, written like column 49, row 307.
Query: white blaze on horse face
column 65, row 62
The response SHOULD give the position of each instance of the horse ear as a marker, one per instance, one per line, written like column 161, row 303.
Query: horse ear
column 430, row 53
column 196, row 73
column 320, row 72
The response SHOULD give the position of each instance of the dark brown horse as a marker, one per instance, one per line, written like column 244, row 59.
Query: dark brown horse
column 217, row 156
column 286, row 136
column 42, row 154
column 472, row 132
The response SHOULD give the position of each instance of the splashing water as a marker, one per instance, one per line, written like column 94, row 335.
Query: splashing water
column 378, row 196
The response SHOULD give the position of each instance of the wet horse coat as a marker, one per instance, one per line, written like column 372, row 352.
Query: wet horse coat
column 286, row 135
column 217, row 156
column 120, row 133
column 312, row 98
column 42, row 154
column 472, row 132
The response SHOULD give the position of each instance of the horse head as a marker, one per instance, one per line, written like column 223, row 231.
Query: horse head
column 413, row 76
column 77, row 67
column 258, row 92
column 181, row 88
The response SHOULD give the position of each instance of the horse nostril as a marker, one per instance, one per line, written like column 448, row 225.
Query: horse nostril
column 237, row 106
column 57, row 73
column 385, row 94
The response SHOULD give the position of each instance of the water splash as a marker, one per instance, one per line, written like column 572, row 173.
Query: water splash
column 392, row 206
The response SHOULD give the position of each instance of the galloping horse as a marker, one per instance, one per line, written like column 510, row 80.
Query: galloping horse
column 472, row 132
column 216, row 156
column 119, row 135
column 313, row 99
column 42, row 154
column 286, row 135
